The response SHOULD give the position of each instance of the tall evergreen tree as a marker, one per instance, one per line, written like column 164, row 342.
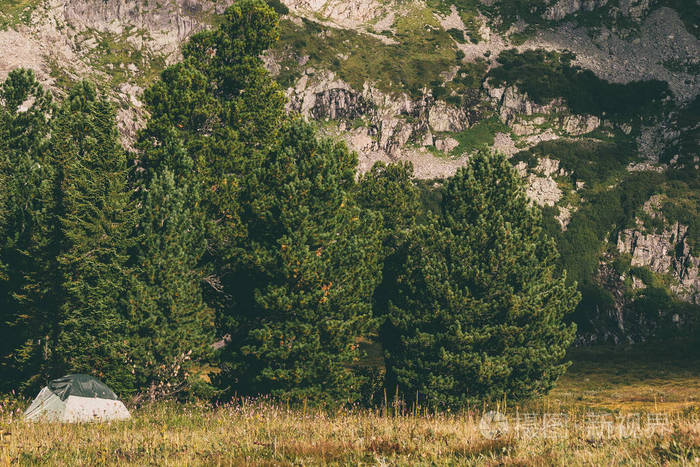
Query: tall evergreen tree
column 304, row 281
column 294, row 260
column 96, row 221
column 479, row 307
column 171, row 328
column 28, row 311
column 391, row 193
column 222, row 106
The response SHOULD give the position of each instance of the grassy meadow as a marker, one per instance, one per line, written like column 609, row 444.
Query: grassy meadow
column 603, row 391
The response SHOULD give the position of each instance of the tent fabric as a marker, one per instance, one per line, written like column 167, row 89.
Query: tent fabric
column 81, row 386
column 46, row 405
column 87, row 409
column 58, row 402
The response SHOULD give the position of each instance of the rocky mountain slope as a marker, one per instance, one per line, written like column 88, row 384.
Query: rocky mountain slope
column 596, row 101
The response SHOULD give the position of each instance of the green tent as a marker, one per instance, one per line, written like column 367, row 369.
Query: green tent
column 76, row 398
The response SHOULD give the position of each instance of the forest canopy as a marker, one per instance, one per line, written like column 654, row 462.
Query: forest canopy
column 233, row 221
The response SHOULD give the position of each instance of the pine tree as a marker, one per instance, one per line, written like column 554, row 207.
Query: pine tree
column 28, row 310
column 479, row 307
column 171, row 328
column 294, row 259
column 96, row 221
column 304, row 282
column 222, row 107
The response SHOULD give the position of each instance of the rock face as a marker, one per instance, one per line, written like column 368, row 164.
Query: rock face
column 168, row 23
column 327, row 98
column 666, row 252
column 380, row 124
column 563, row 8
column 576, row 125
column 541, row 187
column 512, row 104
column 62, row 38
column 446, row 145
column 514, row 108
column 635, row 9
column 345, row 13
column 392, row 123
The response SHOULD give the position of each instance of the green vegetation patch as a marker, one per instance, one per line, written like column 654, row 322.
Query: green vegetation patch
column 509, row 11
column 14, row 12
column 468, row 11
column 687, row 146
column 592, row 162
column 279, row 7
column 480, row 135
column 503, row 13
column 546, row 75
column 680, row 202
column 464, row 88
column 689, row 12
column 611, row 198
column 599, row 219
column 676, row 65
column 114, row 53
column 469, row 76
column 458, row 35
column 424, row 51
column 609, row 16
column 62, row 78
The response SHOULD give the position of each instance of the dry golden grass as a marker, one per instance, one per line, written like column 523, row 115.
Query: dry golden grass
column 261, row 432
column 654, row 377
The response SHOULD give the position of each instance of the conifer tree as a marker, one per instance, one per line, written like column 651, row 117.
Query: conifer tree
column 295, row 259
column 171, row 328
column 222, row 106
column 28, row 309
column 479, row 307
column 305, row 279
column 390, row 192
column 96, row 221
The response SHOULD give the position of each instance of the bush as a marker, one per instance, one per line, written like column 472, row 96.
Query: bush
column 457, row 34
column 279, row 7
column 621, row 264
column 594, row 311
column 644, row 274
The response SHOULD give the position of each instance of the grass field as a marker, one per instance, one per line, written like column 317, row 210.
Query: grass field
column 655, row 377
column 604, row 389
